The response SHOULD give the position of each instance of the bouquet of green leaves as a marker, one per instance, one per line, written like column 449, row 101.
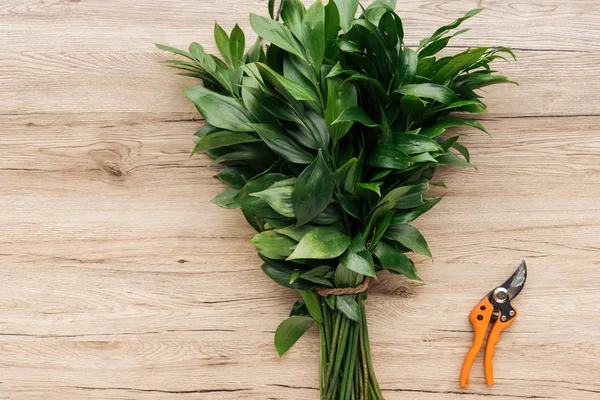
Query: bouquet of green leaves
column 330, row 129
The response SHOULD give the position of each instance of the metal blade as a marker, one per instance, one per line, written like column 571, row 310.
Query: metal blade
column 515, row 283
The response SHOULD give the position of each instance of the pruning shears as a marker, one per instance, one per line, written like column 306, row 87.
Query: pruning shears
column 495, row 308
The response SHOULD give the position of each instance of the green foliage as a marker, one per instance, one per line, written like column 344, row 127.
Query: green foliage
column 330, row 129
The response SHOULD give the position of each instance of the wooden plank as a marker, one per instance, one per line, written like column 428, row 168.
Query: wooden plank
column 163, row 299
column 131, row 25
column 138, row 83
column 94, row 57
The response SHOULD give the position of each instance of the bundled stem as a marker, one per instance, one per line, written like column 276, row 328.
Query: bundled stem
column 346, row 370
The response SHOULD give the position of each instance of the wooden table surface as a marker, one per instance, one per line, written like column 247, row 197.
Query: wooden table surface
column 120, row 280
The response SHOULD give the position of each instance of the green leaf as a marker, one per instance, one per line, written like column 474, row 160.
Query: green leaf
column 332, row 21
column 395, row 261
column 451, row 158
column 223, row 43
column 355, row 114
column 339, row 97
column 337, row 70
column 385, row 136
column 404, row 217
column 280, row 196
column 281, row 144
column 237, row 45
column 226, row 198
column 347, row 9
column 318, row 275
column 434, row 47
column 446, row 144
column 388, row 27
column 313, row 304
column 343, row 277
column 224, row 138
column 254, row 205
column 348, row 306
column 299, row 71
column 281, row 272
column 236, row 176
column 330, row 300
column 462, row 105
column 175, row 51
column 389, row 200
column 255, row 52
column 374, row 83
column 277, row 224
column 450, row 121
column 381, row 174
column 275, row 33
column 313, row 35
column 292, row 14
column 389, row 156
column 351, row 205
column 289, row 331
column 299, row 308
column 296, row 90
column 413, row 144
column 322, row 242
column 411, row 200
column 426, row 66
column 462, row 150
column 440, row 183
column 314, row 190
column 354, row 175
column 411, row 107
column 273, row 245
column 429, row 91
column 458, row 64
column 381, row 225
column 271, row 7
column 218, row 110
column 330, row 215
column 246, row 154
column 372, row 186
column 446, row 28
column 295, row 232
column 407, row 68
column 357, row 258
column 274, row 85
column 282, row 110
column 199, row 55
column 315, row 124
column 478, row 81
column 409, row 237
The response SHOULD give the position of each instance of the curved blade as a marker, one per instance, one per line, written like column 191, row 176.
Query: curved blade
column 515, row 283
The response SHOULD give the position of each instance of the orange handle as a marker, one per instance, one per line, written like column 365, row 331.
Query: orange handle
column 493, row 338
column 480, row 319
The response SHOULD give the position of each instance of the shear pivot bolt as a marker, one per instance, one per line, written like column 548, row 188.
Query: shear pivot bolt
column 512, row 313
column 500, row 295
column 503, row 318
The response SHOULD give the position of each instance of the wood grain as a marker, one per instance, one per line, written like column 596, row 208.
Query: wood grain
column 120, row 280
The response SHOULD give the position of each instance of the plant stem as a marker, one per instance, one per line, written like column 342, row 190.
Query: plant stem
column 372, row 376
column 323, row 361
column 332, row 354
column 339, row 357
column 347, row 363
column 327, row 326
column 346, row 371
column 352, row 361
